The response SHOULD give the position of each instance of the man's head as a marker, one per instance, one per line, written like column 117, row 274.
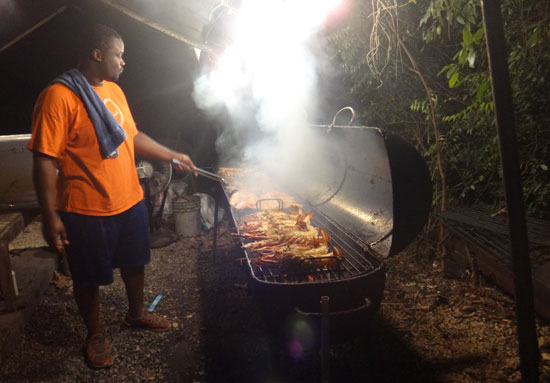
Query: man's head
column 101, row 50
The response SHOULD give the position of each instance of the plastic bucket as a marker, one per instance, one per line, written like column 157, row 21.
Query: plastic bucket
column 187, row 215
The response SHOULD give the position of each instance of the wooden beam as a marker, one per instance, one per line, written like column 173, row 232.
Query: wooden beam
column 158, row 27
column 33, row 28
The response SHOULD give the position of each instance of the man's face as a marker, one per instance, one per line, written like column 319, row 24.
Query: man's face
column 112, row 63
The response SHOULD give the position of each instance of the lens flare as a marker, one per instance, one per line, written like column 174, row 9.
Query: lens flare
column 295, row 349
column 301, row 335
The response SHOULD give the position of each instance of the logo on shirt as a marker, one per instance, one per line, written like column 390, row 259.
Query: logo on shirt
column 115, row 110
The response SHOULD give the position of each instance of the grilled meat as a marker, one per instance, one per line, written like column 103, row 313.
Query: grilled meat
column 288, row 240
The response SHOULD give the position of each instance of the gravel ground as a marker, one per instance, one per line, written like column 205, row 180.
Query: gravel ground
column 429, row 329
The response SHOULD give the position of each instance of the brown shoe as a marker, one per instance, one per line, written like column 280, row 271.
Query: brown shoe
column 98, row 351
column 148, row 321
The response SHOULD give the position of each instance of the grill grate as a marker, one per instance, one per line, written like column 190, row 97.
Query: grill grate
column 356, row 262
column 359, row 260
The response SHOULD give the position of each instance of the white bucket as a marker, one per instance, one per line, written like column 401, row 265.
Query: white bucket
column 187, row 215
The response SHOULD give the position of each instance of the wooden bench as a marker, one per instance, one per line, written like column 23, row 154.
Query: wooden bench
column 34, row 267
column 486, row 236
column 11, row 224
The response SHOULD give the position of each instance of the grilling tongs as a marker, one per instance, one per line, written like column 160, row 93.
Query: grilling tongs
column 203, row 172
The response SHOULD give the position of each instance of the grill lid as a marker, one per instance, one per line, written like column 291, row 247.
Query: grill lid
column 371, row 183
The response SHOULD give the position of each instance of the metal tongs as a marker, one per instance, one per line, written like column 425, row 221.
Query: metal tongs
column 203, row 172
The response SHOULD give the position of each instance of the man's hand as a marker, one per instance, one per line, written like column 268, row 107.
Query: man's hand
column 54, row 233
column 147, row 147
column 45, row 178
column 181, row 162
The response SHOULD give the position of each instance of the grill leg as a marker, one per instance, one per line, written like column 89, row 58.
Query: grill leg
column 325, row 341
column 215, row 228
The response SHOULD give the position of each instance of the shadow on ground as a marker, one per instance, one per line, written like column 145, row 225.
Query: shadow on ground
column 57, row 336
column 238, row 347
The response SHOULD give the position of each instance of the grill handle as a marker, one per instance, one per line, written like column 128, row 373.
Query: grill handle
column 364, row 306
column 259, row 203
column 336, row 115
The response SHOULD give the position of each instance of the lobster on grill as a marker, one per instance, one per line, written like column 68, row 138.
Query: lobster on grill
column 288, row 240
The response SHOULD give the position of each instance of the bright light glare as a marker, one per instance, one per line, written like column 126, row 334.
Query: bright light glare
column 269, row 53
column 268, row 76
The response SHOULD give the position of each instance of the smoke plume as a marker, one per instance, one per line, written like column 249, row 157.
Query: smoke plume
column 263, row 86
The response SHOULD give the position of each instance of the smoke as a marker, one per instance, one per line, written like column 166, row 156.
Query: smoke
column 263, row 86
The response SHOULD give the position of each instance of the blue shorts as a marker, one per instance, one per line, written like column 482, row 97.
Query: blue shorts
column 98, row 244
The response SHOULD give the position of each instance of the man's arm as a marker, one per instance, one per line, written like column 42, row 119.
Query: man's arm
column 147, row 147
column 45, row 179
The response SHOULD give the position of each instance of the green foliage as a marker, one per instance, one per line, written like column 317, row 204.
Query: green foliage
column 446, row 40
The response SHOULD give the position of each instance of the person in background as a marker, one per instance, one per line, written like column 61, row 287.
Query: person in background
column 83, row 143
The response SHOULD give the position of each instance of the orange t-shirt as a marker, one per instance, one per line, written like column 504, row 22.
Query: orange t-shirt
column 87, row 183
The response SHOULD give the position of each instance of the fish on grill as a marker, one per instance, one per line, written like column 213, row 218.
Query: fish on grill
column 288, row 240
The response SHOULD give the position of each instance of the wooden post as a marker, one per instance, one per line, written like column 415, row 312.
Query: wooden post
column 504, row 113
column 6, row 283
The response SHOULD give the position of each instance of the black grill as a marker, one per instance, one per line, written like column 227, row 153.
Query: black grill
column 372, row 194
column 358, row 261
column 354, row 288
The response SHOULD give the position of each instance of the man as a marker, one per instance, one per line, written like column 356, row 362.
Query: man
column 83, row 143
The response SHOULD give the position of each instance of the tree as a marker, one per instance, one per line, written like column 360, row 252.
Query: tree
column 419, row 68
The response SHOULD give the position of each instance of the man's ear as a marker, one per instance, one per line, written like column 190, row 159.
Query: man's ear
column 97, row 55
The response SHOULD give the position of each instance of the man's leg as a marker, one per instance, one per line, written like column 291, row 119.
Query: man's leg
column 90, row 257
column 132, row 253
column 133, row 278
column 87, row 300
column 97, row 349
